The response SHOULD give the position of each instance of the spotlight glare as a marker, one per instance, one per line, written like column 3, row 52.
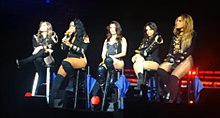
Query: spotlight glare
column 47, row 1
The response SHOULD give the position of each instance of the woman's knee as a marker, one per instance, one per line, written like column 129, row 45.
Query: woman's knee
column 109, row 63
column 67, row 67
column 77, row 63
column 119, row 65
column 101, row 72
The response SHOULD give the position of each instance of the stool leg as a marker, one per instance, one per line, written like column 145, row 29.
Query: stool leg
column 48, row 84
column 119, row 94
column 152, row 86
column 105, row 91
column 34, row 87
column 154, row 89
column 149, row 89
column 88, row 93
column 76, row 89
column 157, row 87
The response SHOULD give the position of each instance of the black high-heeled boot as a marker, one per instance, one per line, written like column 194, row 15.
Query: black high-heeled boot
column 111, row 70
column 31, row 58
column 164, row 84
column 140, row 81
column 173, row 88
column 71, row 81
column 55, row 87
column 70, row 75
column 164, row 76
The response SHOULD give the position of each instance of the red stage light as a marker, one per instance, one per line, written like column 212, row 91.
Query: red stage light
column 95, row 100
column 28, row 94
column 190, row 102
column 192, row 72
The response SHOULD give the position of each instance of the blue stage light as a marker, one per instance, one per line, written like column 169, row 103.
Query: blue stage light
column 48, row 1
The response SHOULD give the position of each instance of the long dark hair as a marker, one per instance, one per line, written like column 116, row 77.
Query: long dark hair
column 118, row 31
column 80, row 29
column 50, row 31
column 153, row 26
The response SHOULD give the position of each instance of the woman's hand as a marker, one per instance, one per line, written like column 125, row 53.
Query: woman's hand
column 66, row 42
column 68, row 32
column 133, row 59
column 112, row 56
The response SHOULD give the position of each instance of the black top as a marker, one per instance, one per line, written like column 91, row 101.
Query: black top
column 40, row 45
column 149, row 48
column 113, row 49
column 181, row 56
column 42, row 42
column 78, row 49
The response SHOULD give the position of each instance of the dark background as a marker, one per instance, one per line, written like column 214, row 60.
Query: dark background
column 20, row 20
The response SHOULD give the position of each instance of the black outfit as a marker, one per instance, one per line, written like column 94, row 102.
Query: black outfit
column 176, row 58
column 38, row 58
column 111, row 90
column 42, row 53
column 77, row 51
column 79, row 47
column 180, row 56
column 149, row 49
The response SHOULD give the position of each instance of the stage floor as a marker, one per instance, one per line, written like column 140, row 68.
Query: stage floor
column 138, row 108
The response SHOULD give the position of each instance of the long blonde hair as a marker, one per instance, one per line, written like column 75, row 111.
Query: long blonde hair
column 50, row 31
column 187, row 30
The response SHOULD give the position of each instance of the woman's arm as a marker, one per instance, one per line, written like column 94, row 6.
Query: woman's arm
column 158, row 40
column 36, row 46
column 104, row 50
column 78, row 46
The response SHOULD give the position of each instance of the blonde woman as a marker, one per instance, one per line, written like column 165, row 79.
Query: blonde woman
column 43, row 42
column 180, row 57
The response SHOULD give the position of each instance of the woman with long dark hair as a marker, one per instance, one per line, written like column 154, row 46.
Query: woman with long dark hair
column 147, row 54
column 113, row 51
column 75, row 42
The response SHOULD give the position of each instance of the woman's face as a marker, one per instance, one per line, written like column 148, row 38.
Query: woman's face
column 72, row 27
column 179, row 23
column 112, row 29
column 43, row 27
column 149, row 31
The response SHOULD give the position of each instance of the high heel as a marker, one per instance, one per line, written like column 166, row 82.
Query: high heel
column 140, row 82
column 17, row 63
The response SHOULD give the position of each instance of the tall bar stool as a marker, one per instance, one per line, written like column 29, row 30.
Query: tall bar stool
column 150, row 75
column 79, row 77
column 120, row 100
column 69, row 97
column 47, row 84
